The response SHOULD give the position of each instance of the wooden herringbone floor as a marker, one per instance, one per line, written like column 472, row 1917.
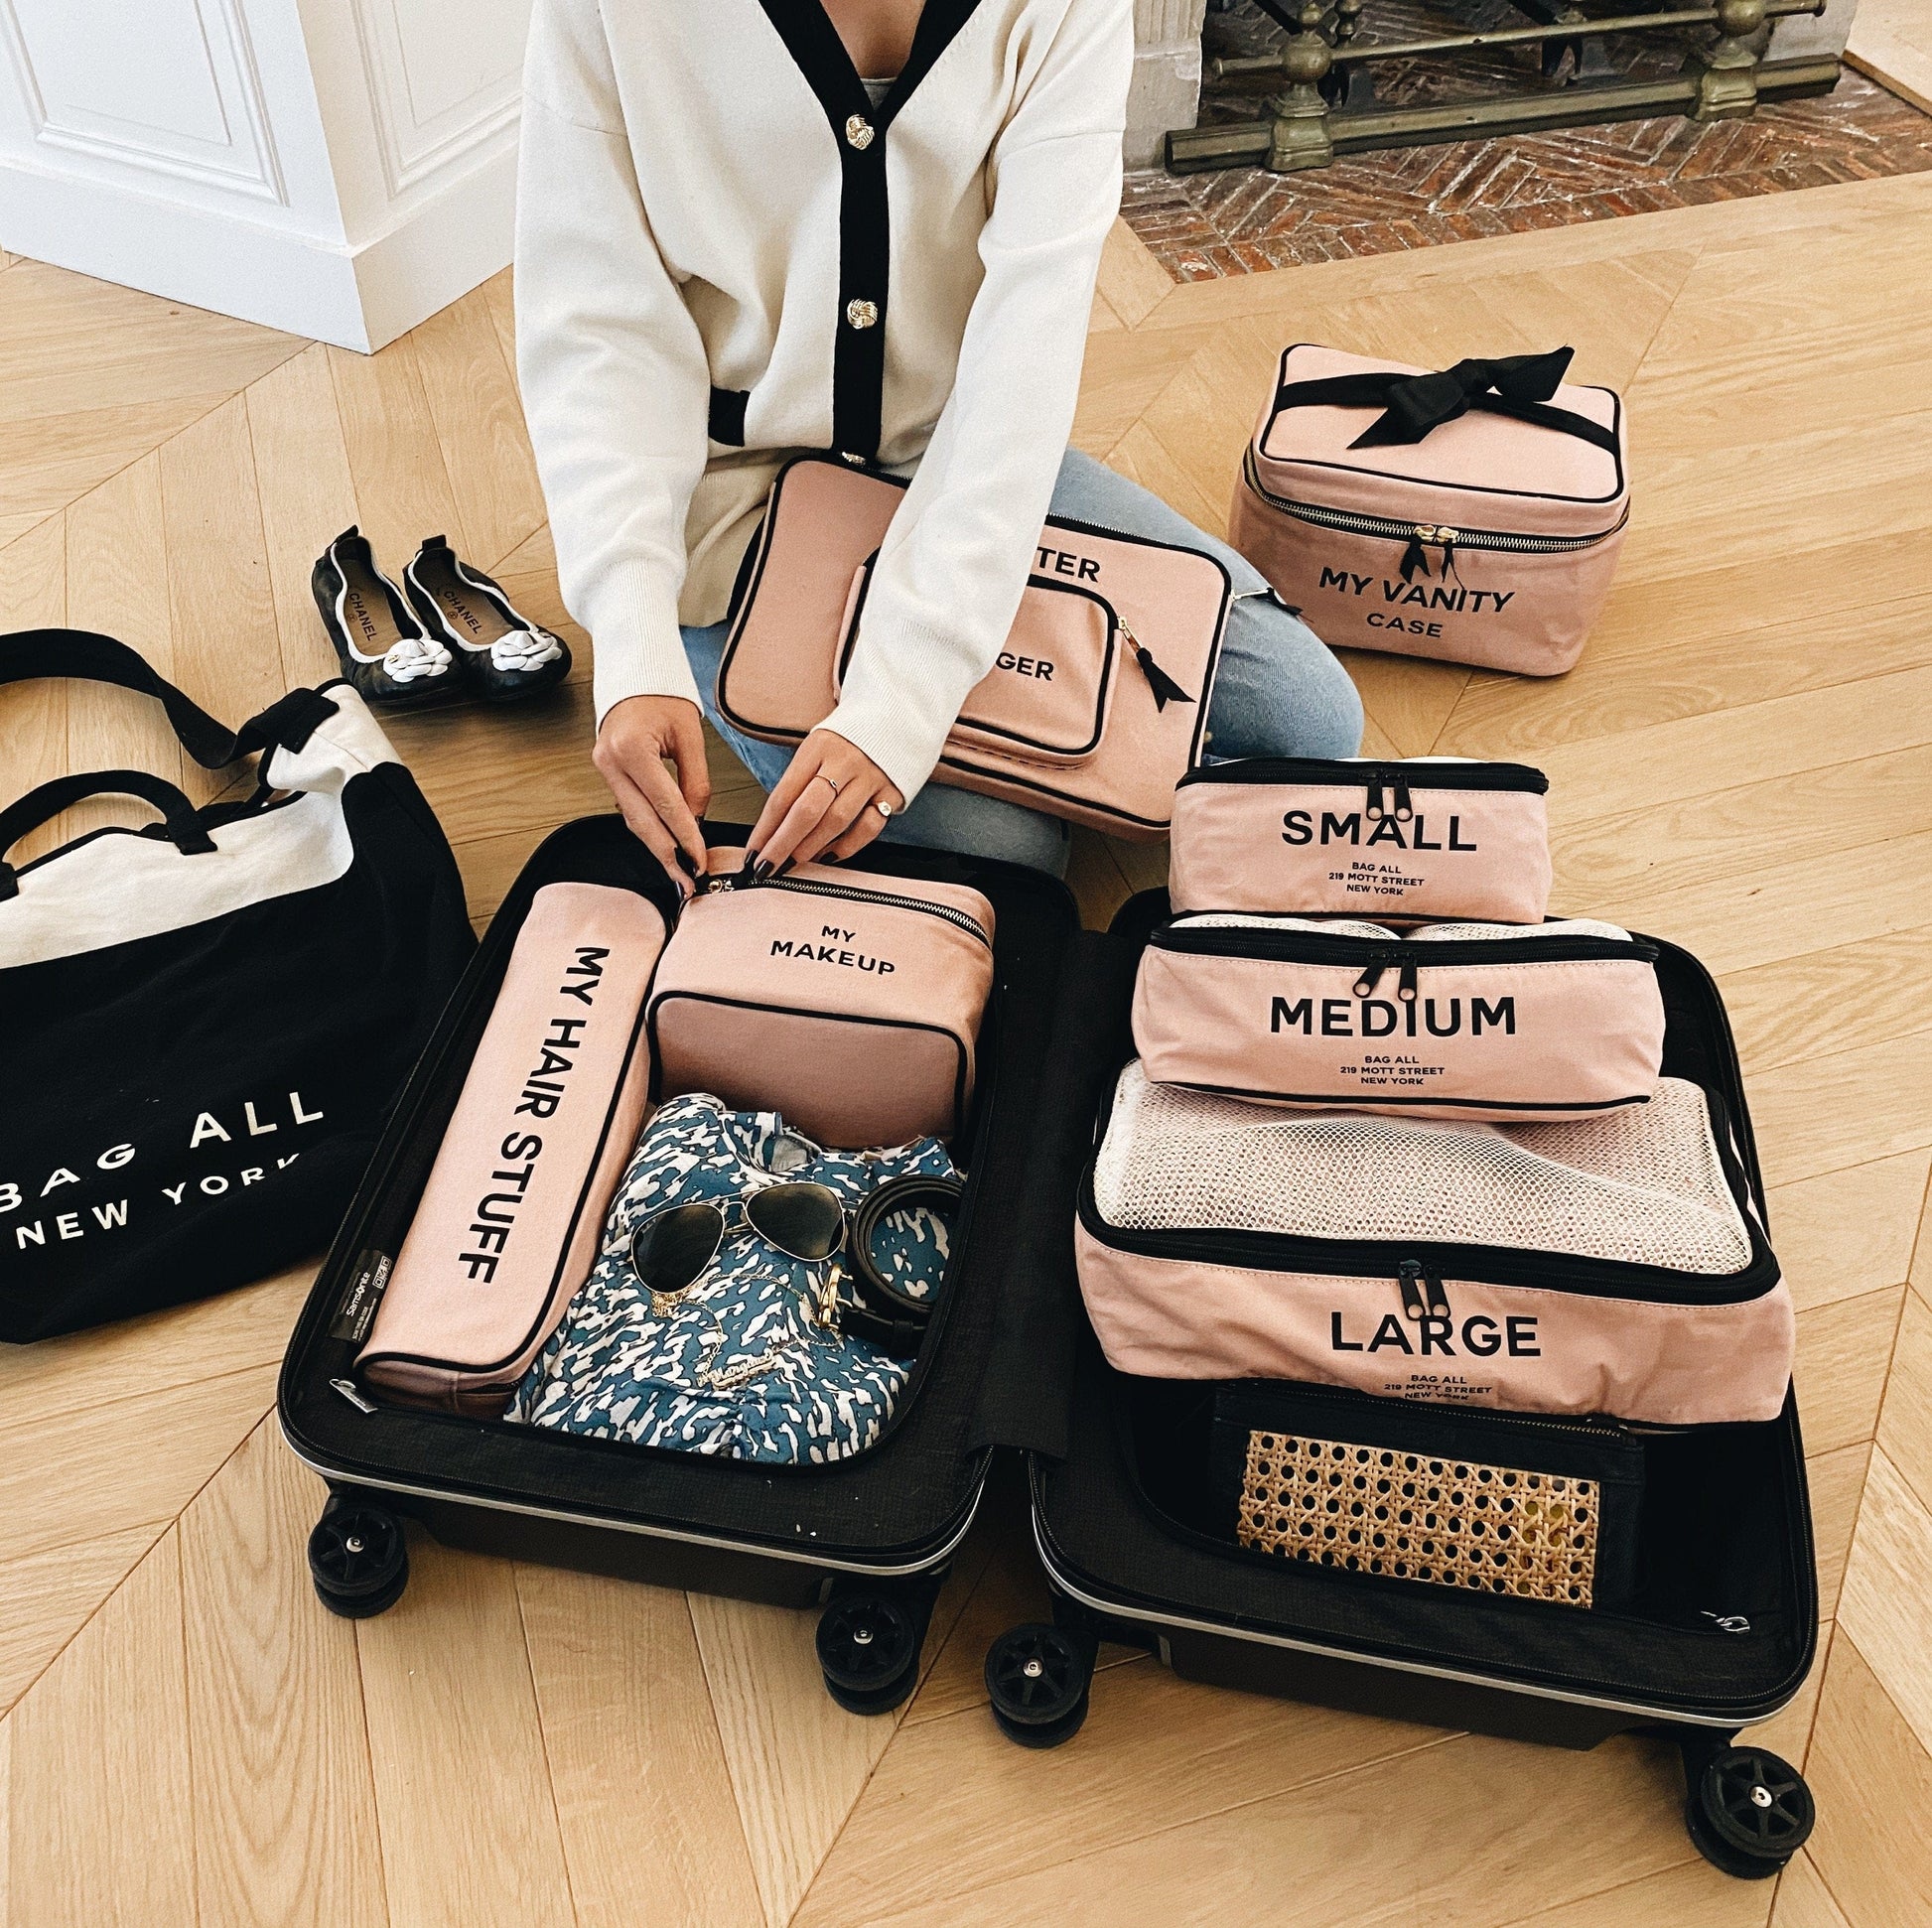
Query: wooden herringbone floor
column 1743, row 761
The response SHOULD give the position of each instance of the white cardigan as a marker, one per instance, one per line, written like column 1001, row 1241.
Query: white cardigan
column 725, row 253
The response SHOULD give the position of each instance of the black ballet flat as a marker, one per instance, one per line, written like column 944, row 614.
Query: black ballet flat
column 503, row 655
column 384, row 651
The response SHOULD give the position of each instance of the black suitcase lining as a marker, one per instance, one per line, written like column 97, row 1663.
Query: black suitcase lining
column 906, row 1498
column 1126, row 1547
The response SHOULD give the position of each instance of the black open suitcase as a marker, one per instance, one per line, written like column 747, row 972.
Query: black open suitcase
column 1722, row 1635
column 869, row 1538
column 1011, row 1362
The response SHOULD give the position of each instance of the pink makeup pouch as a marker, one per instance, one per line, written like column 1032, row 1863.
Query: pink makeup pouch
column 848, row 1001
column 1610, row 1263
column 1092, row 710
column 1429, row 837
column 1473, row 514
column 507, row 1226
column 1454, row 1020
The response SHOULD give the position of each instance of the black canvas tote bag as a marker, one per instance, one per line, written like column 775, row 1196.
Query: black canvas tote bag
column 203, row 1019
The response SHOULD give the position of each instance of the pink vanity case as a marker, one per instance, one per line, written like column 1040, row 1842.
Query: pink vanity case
column 1490, row 540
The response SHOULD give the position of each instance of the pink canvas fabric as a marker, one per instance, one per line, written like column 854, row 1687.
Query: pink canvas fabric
column 1456, row 1020
column 1602, row 1265
column 1427, row 836
column 849, row 1002
column 1491, row 540
column 507, row 1226
column 1070, row 719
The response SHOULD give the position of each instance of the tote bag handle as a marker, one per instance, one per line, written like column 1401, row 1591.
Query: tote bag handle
column 84, row 655
column 180, row 820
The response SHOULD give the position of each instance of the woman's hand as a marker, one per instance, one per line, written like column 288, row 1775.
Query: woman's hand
column 826, row 806
column 637, row 735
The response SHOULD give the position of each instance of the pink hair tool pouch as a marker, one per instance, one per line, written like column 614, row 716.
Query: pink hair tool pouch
column 848, row 1000
column 1612, row 1263
column 1454, row 1020
column 1473, row 514
column 508, row 1225
column 1430, row 837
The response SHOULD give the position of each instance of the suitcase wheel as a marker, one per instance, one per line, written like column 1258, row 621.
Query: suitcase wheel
column 359, row 1558
column 1037, row 1678
column 869, row 1652
column 1748, row 1812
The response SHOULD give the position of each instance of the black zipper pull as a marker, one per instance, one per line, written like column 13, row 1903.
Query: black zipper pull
column 1415, row 558
column 1447, row 537
column 1404, row 807
column 1372, row 976
column 1437, row 1298
column 1408, row 1276
column 1165, row 689
column 1374, row 809
column 1405, row 986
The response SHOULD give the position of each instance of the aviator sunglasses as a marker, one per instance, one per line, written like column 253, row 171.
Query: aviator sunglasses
column 672, row 1250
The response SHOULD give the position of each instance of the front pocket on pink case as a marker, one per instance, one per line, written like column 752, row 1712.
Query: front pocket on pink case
column 1052, row 686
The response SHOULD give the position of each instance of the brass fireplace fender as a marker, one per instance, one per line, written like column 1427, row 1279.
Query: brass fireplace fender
column 1723, row 81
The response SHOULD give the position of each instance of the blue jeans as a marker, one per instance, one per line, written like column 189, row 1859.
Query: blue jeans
column 1279, row 691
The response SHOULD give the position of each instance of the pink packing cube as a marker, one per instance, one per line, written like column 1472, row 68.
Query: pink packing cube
column 508, row 1225
column 1426, row 837
column 1608, row 1264
column 1454, row 1020
column 1474, row 515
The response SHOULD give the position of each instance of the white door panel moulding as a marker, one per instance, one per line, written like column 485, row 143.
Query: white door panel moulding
column 445, row 76
column 179, row 94
column 339, row 169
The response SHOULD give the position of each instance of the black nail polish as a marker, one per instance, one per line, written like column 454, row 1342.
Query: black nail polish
column 685, row 862
column 759, row 870
column 826, row 856
column 790, row 863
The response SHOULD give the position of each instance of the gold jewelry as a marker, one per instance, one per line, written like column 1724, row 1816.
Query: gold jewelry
column 837, row 786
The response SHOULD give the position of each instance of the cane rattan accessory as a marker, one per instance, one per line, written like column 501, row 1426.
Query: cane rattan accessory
column 1413, row 1516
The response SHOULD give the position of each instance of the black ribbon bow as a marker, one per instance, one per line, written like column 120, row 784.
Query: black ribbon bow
column 1418, row 403
column 1517, row 385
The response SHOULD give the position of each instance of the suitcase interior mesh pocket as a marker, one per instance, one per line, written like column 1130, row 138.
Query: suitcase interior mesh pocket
column 1414, row 1516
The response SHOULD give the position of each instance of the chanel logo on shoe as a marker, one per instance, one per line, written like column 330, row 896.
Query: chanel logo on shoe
column 861, row 314
column 858, row 132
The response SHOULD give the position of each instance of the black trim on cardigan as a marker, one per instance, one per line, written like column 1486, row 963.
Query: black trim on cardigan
column 727, row 416
column 865, row 227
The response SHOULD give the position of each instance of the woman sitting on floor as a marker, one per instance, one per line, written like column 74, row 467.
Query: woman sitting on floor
column 734, row 246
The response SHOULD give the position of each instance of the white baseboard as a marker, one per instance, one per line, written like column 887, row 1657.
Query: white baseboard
column 356, row 297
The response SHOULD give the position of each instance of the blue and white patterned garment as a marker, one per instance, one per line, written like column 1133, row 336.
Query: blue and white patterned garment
column 738, row 1367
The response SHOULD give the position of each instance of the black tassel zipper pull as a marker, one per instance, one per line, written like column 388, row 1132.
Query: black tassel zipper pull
column 1165, row 689
column 1415, row 558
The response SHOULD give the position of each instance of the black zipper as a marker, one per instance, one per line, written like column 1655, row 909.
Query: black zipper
column 1350, row 773
column 1439, row 535
column 852, row 893
column 1499, row 1418
column 1374, row 955
column 1417, row 1266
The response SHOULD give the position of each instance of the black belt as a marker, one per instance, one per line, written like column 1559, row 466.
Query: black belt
column 879, row 1310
